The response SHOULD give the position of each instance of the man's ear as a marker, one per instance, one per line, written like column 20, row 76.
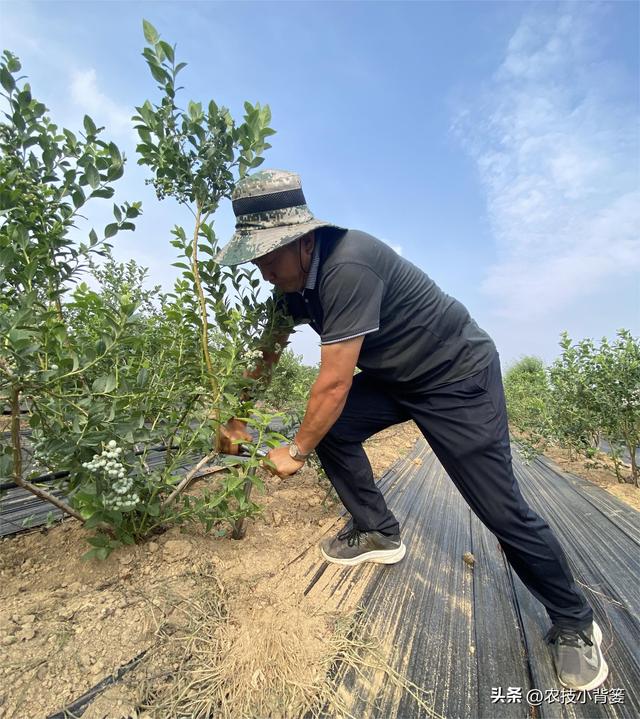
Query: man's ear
column 308, row 243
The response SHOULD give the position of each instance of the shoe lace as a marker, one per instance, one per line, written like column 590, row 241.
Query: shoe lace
column 568, row 637
column 352, row 536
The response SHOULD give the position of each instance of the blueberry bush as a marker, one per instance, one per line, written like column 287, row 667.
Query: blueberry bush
column 104, row 371
column 590, row 393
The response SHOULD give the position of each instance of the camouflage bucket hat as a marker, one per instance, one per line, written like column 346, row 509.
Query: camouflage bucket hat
column 270, row 212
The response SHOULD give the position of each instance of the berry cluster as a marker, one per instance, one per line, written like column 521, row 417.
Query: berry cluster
column 122, row 497
column 252, row 357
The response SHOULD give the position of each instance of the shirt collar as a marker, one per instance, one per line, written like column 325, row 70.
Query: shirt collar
column 313, row 269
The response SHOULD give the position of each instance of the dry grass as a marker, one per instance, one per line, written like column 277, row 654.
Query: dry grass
column 276, row 662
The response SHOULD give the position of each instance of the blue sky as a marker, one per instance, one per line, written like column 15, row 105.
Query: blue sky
column 494, row 145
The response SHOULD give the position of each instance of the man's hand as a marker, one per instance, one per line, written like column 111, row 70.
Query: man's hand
column 234, row 429
column 284, row 463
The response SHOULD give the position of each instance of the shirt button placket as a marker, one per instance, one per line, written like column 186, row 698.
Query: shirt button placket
column 308, row 306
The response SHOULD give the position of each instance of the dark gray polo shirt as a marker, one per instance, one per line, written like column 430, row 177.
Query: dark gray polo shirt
column 414, row 334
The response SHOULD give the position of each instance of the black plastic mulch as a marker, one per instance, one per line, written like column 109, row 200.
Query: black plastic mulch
column 470, row 634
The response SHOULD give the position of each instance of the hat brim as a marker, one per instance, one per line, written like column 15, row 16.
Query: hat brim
column 247, row 245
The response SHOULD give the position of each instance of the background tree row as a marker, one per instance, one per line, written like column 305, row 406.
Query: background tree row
column 588, row 398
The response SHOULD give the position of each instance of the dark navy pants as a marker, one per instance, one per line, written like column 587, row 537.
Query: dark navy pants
column 465, row 424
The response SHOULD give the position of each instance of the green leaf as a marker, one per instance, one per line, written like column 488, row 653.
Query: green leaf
column 88, row 356
column 106, row 192
column 168, row 50
column 93, row 238
column 117, row 213
column 144, row 133
column 180, row 66
column 150, row 33
column 89, row 125
column 146, row 112
column 115, row 171
column 6, row 465
column 18, row 121
column 99, row 540
column 13, row 63
column 7, row 80
column 60, row 333
column 115, row 152
column 24, row 98
column 104, row 384
column 78, row 197
column 195, row 109
column 93, row 176
column 158, row 73
column 111, row 229
column 17, row 336
column 71, row 138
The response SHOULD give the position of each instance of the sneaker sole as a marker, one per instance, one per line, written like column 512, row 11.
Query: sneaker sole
column 604, row 668
column 379, row 556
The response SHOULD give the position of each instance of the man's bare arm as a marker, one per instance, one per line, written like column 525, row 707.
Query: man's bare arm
column 329, row 391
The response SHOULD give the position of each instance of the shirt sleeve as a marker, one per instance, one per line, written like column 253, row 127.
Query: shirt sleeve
column 351, row 296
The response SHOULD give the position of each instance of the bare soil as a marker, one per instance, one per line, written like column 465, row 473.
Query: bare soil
column 599, row 470
column 67, row 623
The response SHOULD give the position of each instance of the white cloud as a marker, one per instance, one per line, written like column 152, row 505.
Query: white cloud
column 396, row 248
column 556, row 150
column 86, row 94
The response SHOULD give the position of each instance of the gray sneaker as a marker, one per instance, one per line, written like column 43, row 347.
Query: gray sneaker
column 578, row 656
column 352, row 546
